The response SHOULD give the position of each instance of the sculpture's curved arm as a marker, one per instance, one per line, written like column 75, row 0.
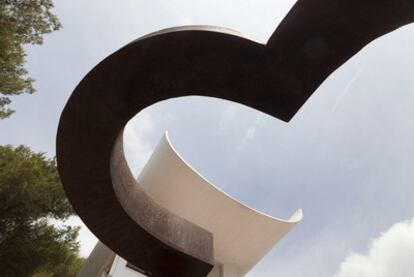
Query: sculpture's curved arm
column 316, row 37
column 172, row 230
column 90, row 158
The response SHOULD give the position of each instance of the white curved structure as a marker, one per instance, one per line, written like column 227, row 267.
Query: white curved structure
column 242, row 236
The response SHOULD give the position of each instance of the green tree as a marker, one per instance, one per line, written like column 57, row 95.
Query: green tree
column 31, row 196
column 21, row 22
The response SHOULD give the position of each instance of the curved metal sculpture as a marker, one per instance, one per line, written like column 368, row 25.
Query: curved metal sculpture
column 315, row 38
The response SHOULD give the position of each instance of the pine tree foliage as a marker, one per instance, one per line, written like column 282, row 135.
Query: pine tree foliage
column 22, row 22
column 31, row 197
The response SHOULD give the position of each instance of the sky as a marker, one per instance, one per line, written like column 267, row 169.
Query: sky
column 346, row 158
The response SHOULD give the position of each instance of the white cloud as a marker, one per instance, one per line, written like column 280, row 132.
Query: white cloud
column 250, row 132
column 390, row 255
column 227, row 117
column 137, row 147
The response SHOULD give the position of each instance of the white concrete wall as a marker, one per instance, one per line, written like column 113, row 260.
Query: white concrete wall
column 225, row 271
column 98, row 263
column 119, row 269
column 242, row 235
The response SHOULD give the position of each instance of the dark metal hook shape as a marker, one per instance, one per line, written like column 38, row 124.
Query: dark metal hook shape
column 315, row 38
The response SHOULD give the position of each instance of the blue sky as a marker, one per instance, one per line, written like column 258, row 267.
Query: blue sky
column 346, row 158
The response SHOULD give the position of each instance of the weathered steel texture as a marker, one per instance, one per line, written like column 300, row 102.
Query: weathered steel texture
column 172, row 230
column 315, row 38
